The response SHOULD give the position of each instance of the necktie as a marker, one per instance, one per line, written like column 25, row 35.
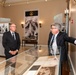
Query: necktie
column 52, row 40
column 51, row 43
column 13, row 35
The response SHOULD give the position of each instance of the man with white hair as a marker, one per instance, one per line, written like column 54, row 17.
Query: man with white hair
column 57, row 40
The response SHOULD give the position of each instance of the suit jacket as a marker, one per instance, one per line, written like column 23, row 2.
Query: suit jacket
column 9, row 43
column 61, row 40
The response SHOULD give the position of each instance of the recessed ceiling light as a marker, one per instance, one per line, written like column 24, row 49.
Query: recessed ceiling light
column 45, row 0
column 9, row 5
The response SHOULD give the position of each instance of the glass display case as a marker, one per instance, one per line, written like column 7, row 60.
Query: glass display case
column 4, row 27
column 35, row 61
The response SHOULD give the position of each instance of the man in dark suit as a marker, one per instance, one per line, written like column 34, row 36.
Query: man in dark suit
column 11, row 44
column 59, row 41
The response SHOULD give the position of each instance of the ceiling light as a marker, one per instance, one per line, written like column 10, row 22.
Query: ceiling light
column 45, row 0
column 3, row 3
column 9, row 5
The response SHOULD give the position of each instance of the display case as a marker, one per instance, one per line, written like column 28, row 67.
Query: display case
column 4, row 27
column 33, row 61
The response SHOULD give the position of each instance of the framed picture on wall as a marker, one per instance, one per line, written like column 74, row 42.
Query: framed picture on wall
column 31, row 24
column 4, row 27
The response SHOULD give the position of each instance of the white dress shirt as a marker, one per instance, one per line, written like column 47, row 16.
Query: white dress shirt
column 54, row 46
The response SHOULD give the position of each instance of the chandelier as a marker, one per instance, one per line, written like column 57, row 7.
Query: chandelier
column 3, row 2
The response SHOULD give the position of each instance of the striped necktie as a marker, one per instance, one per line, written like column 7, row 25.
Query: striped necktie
column 52, row 40
column 13, row 35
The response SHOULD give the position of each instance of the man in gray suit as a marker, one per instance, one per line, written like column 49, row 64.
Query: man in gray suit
column 11, row 44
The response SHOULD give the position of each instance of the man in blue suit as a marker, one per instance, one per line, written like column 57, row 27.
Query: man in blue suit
column 11, row 44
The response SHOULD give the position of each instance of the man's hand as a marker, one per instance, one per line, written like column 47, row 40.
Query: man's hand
column 13, row 52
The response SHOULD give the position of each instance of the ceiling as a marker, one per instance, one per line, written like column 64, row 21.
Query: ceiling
column 14, row 2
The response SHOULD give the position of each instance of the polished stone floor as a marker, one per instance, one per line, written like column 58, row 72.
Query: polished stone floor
column 2, row 59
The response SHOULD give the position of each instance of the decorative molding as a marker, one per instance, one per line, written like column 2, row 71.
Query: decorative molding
column 5, row 20
column 8, row 3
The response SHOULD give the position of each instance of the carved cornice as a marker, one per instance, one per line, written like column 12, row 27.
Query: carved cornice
column 6, row 3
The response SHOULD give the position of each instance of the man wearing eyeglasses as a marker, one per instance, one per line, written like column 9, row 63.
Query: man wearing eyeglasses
column 11, row 44
column 57, row 40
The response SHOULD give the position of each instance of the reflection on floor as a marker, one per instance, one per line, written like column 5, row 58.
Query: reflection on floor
column 2, row 59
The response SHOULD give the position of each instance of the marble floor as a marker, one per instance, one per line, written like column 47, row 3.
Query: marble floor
column 2, row 59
